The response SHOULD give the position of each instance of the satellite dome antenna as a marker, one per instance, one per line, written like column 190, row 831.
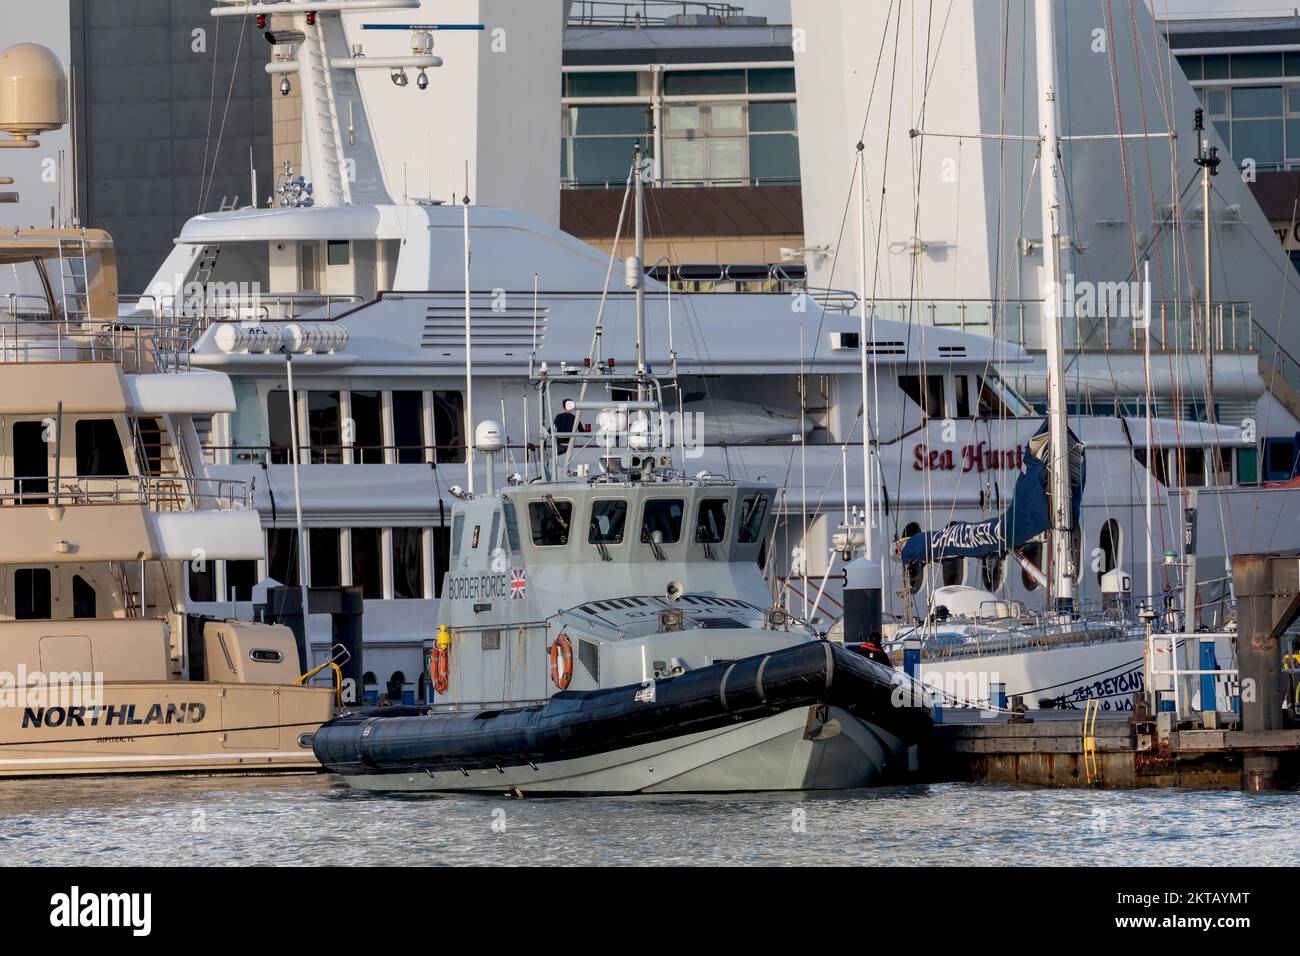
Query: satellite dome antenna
column 33, row 98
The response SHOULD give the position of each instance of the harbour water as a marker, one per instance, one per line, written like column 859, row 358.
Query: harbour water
column 315, row 819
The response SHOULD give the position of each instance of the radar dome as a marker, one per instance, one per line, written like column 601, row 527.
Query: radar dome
column 487, row 437
column 33, row 90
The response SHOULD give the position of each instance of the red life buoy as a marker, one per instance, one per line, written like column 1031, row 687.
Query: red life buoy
column 440, row 668
column 562, row 662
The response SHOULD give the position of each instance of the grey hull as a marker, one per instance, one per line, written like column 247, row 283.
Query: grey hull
column 792, row 750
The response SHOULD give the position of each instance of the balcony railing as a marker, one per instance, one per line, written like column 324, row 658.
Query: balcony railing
column 628, row 13
column 28, row 334
column 159, row 493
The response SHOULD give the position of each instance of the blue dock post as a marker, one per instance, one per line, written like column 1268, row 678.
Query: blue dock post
column 1209, row 693
column 998, row 696
column 912, row 659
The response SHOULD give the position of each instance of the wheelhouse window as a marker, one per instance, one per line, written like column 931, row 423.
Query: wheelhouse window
column 608, row 519
column 962, row 385
column 512, row 526
column 926, row 391
column 999, row 400
column 99, row 449
column 711, row 521
column 662, row 521
column 32, row 594
column 550, row 521
column 83, row 597
column 325, row 569
column 31, row 463
column 753, row 512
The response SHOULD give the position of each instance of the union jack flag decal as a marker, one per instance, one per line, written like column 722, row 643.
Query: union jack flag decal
column 518, row 584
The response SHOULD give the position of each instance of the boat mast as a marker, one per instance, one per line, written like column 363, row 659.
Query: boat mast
column 1049, row 178
column 635, row 272
column 868, row 489
column 1207, row 157
column 469, row 351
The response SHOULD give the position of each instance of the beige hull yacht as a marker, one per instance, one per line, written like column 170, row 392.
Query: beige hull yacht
column 105, row 511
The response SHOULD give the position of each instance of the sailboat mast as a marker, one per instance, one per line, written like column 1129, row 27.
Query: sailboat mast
column 1049, row 178
column 639, row 275
column 1207, row 157
column 868, row 489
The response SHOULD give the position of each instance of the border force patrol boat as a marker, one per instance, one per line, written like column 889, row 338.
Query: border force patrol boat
column 614, row 633
column 610, row 630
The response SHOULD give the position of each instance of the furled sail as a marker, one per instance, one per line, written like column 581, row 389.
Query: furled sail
column 1028, row 515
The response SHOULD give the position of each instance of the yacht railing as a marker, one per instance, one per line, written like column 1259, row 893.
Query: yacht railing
column 137, row 346
column 1175, row 326
column 628, row 13
column 221, row 306
column 159, row 493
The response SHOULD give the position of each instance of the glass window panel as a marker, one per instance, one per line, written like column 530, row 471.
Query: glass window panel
column 203, row 583
column 683, row 118
column 1215, row 67
column 771, row 81
column 324, row 427
column 338, row 252
column 726, row 116
column 1256, row 64
column 1216, row 103
column 772, row 118
column 1191, row 66
column 1256, row 101
column 604, row 159
column 408, row 426
column 1291, row 62
column 324, row 544
column 726, row 159
column 282, row 555
column 663, row 518
column 602, row 84
column 607, row 120
column 441, row 557
column 449, row 426
column 711, row 521
column 367, row 562
column 1293, row 99
column 408, row 563
column 83, row 597
column 686, row 160
column 512, row 526
column 367, row 428
column 608, row 519
column 1260, row 140
column 550, row 521
column 774, row 157
column 99, row 448
column 33, row 596
column 240, row 578
column 1293, row 138
column 753, row 513
column 687, row 82
column 281, row 435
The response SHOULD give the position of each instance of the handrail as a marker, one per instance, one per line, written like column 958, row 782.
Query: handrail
column 169, row 493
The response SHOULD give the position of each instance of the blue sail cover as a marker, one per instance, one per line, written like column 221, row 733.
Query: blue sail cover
column 1026, row 517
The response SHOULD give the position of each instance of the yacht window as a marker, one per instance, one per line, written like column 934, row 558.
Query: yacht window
column 99, row 449
column 448, row 426
column 711, row 521
column 753, row 512
column 83, row 597
column 338, row 252
column 408, row 427
column 324, row 564
column 282, row 555
column 1192, row 467
column 954, row 570
column 367, row 562
column 1108, row 544
column 512, row 526
column 367, row 427
column 962, row 384
column 31, row 463
column 997, row 399
column 607, row 521
column 1159, row 458
column 324, row 428
column 991, row 571
column 441, row 561
column 240, row 578
column 927, row 392
column 493, row 543
column 408, row 563
column 203, row 581
column 550, row 521
column 281, row 434
column 32, row 594
column 662, row 522
column 308, row 280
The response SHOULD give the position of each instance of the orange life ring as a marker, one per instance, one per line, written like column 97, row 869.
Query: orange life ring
column 562, row 662
column 440, row 668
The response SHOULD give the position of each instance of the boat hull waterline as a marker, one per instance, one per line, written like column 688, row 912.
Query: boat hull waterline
column 810, row 717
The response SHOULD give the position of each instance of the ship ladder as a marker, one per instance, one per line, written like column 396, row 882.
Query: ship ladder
column 1090, row 712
